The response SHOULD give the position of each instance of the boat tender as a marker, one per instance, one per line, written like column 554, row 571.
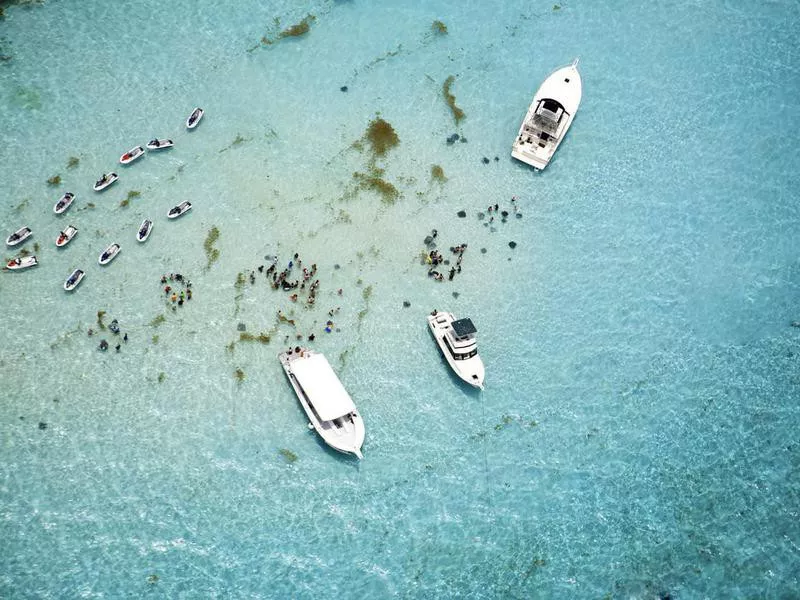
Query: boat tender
column 144, row 230
column 65, row 237
column 194, row 118
column 19, row 236
column 131, row 155
column 106, row 180
column 180, row 209
column 549, row 117
column 456, row 340
column 21, row 262
column 329, row 408
column 73, row 280
column 109, row 254
column 64, row 203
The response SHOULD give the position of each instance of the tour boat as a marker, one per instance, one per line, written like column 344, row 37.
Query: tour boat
column 329, row 408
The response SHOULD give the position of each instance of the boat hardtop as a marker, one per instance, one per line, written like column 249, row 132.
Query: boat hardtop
column 65, row 236
column 159, row 144
column 177, row 211
column 108, row 254
column 19, row 236
column 63, row 203
column 326, row 402
column 194, row 118
column 144, row 230
column 106, row 180
column 457, row 342
column 22, row 262
column 73, row 280
column 131, row 155
column 549, row 117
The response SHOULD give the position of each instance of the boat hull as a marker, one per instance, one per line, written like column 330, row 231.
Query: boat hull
column 25, row 262
column 66, row 236
column 21, row 234
column 179, row 210
column 346, row 435
column 144, row 231
column 565, row 87
column 74, row 280
column 131, row 155
column 162, row 144
column 63, row 203
column 194, row 119
column 471, row 370
column 100, row 185
column 109, row 254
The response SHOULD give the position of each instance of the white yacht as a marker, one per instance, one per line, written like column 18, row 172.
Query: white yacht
column 328, row 406
column 456, row 340
column 549, row 117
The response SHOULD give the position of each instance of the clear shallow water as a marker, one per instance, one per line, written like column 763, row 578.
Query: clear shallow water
column 638, row 433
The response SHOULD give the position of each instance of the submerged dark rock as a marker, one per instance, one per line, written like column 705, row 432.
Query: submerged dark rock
column 343, row 88
column 485, row 160
column 462, row 213
column 241, row 327
column 512, row 245
column 456, row 294
column 406, row 303
column 42, row 425
column 481, row 216
column 452, row 139
column 483, row 250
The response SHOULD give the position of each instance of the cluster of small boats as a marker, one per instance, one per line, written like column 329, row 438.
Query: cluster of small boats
column 331, row 411
column 106, row 180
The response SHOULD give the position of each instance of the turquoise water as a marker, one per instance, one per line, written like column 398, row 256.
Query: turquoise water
column 637, row 436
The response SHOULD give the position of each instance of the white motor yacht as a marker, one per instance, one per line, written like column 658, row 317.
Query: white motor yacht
column 456, row 340
column 329, row 408
column 549, row 117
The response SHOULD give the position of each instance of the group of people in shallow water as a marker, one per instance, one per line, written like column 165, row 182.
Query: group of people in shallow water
column 434, row 258
column 178, row 296
column 114, row 328
column 494, row 210
column 301, row 283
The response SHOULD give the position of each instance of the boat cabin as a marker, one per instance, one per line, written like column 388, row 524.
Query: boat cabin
column 460, row 339
column 544, row 124
column 324, row 392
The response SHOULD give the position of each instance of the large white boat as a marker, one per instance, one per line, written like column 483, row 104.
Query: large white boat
column 549, row 117
column 329, row 408
column 456, row 340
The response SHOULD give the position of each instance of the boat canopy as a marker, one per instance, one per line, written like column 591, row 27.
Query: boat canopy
column 322, row 386
column 463, row 327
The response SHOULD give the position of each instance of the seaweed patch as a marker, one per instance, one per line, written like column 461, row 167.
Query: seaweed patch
column 437, row 173
column 458, row 114
column 381, row 136
column 212, row 254
column 296, row 30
